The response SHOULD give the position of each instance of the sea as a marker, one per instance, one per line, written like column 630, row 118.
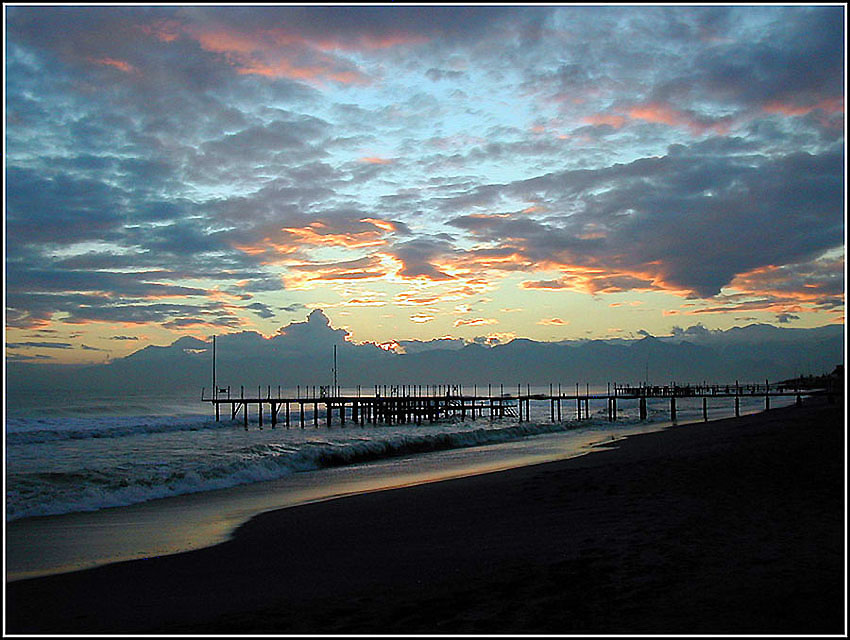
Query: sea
column 92, row 479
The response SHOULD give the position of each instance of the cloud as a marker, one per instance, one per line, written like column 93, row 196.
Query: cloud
column 178, row 165
column 474, row 322
column 664, row 223
column 554, row 322
column 38, row 345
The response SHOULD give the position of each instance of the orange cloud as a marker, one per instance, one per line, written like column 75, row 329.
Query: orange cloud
column 474, row 322
column 320, row 234
column 304, row 275
column 416, row 298
column 375, row 160
column 386, row 225
column 126, row 67
column 553, row 321
column 820, row 283
column 289, row 241
column 364, row 302
column 534, row 209
column 392, row 345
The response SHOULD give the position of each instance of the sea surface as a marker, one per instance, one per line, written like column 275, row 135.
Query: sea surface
column 85, row 461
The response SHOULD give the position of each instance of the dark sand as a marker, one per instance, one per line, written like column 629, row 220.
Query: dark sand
column 729, row 527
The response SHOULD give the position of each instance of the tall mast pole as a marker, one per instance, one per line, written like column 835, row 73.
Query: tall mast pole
column 215, row 389
column 335, row 387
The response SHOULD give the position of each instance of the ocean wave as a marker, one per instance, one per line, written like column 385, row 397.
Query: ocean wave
column 36, row 431
column 56, row 492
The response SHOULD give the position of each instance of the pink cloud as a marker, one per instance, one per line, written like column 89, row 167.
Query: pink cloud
column 280, row 52
column 660, row 113
column 609, row 119
column 828, row 105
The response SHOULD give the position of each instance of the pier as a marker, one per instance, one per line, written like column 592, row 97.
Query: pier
column 418, row 404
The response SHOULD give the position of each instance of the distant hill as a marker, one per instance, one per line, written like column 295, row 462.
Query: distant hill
column 302, row 353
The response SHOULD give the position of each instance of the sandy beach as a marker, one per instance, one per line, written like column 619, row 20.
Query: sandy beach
column 729, row 527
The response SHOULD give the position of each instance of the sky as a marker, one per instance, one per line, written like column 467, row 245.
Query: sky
column 416, row 172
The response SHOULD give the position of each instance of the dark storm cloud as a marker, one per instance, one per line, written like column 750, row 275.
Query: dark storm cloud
column 350, row 26
column 39, row 345
column 116, row 284
column 60, row 209
column 161, row 313
column 694, row 221
column 261, row 310
column 799, row 64
column 419, row 255
column 286, row 134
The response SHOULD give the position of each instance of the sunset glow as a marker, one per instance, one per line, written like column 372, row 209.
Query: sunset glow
column 545, row 171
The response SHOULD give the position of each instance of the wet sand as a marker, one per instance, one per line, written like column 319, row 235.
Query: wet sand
column 728, row 527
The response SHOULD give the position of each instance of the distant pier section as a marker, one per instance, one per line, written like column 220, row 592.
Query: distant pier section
column 418, row 404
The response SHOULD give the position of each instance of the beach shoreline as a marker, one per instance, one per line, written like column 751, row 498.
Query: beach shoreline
column 733, row 526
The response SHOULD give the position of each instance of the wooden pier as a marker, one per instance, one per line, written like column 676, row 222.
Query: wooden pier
column 416, row 404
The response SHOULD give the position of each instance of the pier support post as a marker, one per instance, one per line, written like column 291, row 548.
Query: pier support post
column 673, row 408
column 737, row 407
column 551, row 407
column 704, row 409
column 642, row 406
column 766, row 402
